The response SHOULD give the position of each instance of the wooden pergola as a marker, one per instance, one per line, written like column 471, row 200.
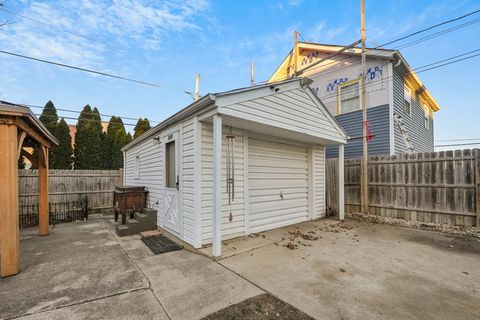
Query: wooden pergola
column 19, row 129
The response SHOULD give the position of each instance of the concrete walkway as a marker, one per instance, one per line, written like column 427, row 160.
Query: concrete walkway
column 82, row 270
column 326, row 269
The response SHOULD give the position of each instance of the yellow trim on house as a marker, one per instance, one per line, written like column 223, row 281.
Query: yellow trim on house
column 284, row 70
column 349, row 82
column 414, row 83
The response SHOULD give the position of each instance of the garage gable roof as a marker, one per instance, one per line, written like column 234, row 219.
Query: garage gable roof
column 223, row 99
column 290, row 105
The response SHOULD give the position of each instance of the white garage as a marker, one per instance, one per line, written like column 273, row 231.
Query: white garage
column 278, row 184
column 237, row 162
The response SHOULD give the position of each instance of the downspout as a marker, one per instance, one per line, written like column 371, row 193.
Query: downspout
column 391, row 107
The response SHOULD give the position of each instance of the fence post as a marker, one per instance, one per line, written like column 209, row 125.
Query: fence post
column 120, row 172
column 477, row 185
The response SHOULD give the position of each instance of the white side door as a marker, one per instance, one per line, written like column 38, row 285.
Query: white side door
column 172, row 216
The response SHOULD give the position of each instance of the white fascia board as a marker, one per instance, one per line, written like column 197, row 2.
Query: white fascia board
column 203, row 104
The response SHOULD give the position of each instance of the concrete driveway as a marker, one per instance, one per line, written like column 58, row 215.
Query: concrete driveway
column 329, row 271
column 364, row 271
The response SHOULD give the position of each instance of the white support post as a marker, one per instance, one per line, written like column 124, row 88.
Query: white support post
column 197, row 187
column 217, row 185
column 341, row 182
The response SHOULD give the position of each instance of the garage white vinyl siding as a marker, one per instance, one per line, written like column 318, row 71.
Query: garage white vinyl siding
column 234, row 228
column 318, row 177
column 278, row 184
column 148, row 157
column 187, row 182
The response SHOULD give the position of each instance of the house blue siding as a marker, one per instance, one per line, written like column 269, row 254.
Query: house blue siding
column 422, row 138
column 378, row 121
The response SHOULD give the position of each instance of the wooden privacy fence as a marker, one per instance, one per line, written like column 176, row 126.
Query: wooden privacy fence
column 71, row 185
column 438, row 187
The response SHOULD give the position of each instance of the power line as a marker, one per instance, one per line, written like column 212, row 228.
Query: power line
column 151, row 84
column 437, row 34
column 412, row 42
column 417, row 70
column 457, row 145
column 431, row 27
column 448, row 63
column 62, row 30
column 88, row 120
column 421, row 69
column 78, row 112
column 453, row 140
column 457, row 56
column 405, row 45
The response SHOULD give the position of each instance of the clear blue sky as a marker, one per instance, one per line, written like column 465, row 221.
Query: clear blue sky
column 168, row 42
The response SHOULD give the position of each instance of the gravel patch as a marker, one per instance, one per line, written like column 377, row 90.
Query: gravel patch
column 450, row 229
column 263, row 306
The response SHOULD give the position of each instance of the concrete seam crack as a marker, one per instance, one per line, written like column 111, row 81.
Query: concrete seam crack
column 79, row 303
column 139, row 269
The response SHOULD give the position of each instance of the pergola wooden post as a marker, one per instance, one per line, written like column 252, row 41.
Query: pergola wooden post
column 9, row 230
column 43, row 191
column 20, row 128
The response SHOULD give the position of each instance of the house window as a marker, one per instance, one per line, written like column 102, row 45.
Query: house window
column 136, row 167
column 426, row 117
column 170, row 165
column 349, row 97
column 407, row 101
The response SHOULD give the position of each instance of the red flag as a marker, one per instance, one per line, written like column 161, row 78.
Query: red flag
column 369, row 134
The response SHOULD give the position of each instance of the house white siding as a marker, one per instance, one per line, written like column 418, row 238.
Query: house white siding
column 326, row 81
column 150, row 172
column 234, row 228
column 278, row 184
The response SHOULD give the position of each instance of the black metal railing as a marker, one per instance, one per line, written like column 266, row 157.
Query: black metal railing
column 59, row 212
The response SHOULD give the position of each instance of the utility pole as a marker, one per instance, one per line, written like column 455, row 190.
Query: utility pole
column 252, row 74
column 364, row 177
column 197, row 82
column 295, row 53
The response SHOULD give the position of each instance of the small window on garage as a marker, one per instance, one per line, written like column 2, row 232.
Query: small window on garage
column 349, row 97
column 170, row 165
column 407, row 100
column 426, row 117
column 136, row 167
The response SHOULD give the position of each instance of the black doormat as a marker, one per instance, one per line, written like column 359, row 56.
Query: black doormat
column 161, row 244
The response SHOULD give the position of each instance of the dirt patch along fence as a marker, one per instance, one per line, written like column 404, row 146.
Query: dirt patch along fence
column 438, row 187
column 65, row 186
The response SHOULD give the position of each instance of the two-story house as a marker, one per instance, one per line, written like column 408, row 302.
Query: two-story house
column 399, row 107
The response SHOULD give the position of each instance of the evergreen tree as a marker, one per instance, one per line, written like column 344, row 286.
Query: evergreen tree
column 116, row 138
column 61, row 155
column 81, row 138
column 142, row 126
column 89, row 140
column 49, row 116
column 128, row 138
